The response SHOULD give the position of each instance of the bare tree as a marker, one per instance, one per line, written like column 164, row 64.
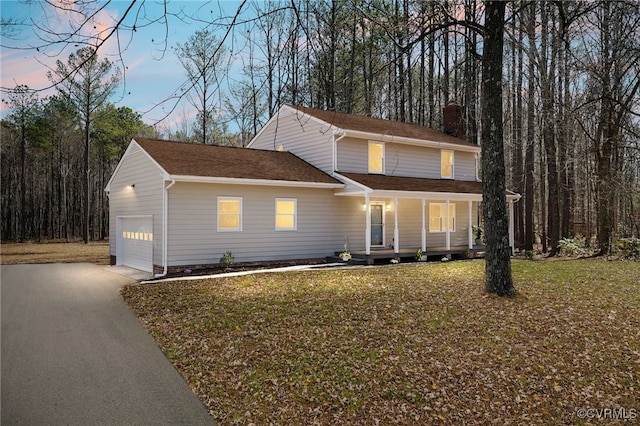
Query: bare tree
column 201, row 57
column 23, row 102
column 87, row 83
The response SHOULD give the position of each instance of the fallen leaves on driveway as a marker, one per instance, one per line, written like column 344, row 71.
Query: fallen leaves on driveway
column 405, row 344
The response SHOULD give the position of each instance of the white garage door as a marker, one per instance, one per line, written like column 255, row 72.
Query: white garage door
column 136, row 243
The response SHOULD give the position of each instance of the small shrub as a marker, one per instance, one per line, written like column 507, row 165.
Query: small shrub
column 419, row 255
column 465, row 254
column 572, row 246
column 530, row 254
column 345, row 256
column 629, row 248
column 227, row 259
column 478, row 232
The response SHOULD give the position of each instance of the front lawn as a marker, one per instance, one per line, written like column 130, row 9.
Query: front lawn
column 405, row 344
column 55, row 252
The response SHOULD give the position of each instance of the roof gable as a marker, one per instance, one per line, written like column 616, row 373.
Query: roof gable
column 387, row 128
column 212, row 161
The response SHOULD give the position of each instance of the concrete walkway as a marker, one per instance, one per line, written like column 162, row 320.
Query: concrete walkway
column 72, row 353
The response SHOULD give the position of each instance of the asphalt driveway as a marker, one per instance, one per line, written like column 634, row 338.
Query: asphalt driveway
column 72, row 353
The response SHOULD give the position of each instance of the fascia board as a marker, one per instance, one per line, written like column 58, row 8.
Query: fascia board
column 132, row 145
column 294, row 111
column 264, row 128
column 357, row 184
column 456, row 196
column 255, row 182
column 410, row 141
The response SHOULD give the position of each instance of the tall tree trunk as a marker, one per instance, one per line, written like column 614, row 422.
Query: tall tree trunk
column 547, row 82
column 87, row 177
column 498, row 278
column 471, row 75
column 23, row 178
column 529, row 161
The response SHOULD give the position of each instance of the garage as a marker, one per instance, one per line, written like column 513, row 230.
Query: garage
column 135, row 242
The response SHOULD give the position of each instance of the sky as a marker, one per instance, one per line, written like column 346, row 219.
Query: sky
column 152, row 73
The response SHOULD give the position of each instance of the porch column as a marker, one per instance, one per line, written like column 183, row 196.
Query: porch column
column 447, row 231
column 424, row 227
column 367, row 232
column 396, row 233
column 511, row 230
column 469, row 203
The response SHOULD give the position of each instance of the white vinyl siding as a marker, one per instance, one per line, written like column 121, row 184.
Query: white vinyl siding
column 376, row 157
column 324, row 222
column 229, row 214
column 286, row 214
column 438, row 217
column 404, row 160
column 446, row 164
column 306, row 137
column 145, row 198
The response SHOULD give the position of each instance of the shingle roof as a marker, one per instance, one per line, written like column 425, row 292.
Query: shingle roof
column 187, row 159
column 400, row 183
column 383, row 127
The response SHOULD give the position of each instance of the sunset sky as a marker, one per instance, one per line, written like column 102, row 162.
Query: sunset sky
column 152, row 71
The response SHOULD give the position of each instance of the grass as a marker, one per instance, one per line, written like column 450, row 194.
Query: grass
column 55, row 252
column 404, row 344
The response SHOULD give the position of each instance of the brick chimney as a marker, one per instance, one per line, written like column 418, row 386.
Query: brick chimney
column 453, row 120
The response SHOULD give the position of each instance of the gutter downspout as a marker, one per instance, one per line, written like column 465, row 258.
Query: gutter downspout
column 335, row 150
column 165, row 225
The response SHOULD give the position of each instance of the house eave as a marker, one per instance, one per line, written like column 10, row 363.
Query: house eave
column 416, row 195
column 409, row 141
column 254, row 182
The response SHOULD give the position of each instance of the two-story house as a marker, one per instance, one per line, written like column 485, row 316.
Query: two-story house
column 310, row 184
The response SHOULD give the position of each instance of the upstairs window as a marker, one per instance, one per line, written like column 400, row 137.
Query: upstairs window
column 376, row 157
column 446, row 164
column 229, row 214
column 438, row 217
column 286, row 211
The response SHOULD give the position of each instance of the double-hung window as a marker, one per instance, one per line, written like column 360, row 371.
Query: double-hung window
column 376, row 157
column 438, row 217
column 286, row 214
column 446, row 164
column 229, row 213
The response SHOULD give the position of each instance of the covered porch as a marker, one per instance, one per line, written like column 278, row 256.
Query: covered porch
column 432, row 253
column 404, row 214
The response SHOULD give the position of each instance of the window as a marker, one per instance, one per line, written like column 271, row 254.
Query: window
column 229, row 214
column 438, row 217
column 376, row 157
column 446, row 164
column 286, row 212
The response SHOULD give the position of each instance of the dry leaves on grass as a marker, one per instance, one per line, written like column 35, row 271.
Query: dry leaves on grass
column 55, row 252
column 408, row 344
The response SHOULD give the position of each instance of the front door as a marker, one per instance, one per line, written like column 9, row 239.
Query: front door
column 377, row 225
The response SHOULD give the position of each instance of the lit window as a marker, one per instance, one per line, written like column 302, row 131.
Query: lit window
column 229, row 214
column 376, row 157
column 438, row 217
column 286, row 214
column 446, row 164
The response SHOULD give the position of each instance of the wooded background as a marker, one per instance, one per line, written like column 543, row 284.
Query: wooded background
column 571, row 90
